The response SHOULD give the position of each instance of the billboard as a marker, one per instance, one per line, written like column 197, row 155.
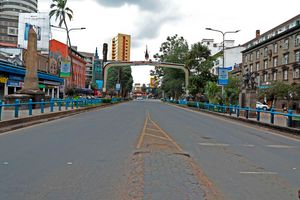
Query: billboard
column 65, row 68
column 223, row 76
column 153, row 82
column 40, row 23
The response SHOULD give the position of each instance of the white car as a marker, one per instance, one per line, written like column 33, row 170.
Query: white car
column 262, row 106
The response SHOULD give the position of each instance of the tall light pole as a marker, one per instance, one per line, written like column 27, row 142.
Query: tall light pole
column 69, row 45
column 223, row 47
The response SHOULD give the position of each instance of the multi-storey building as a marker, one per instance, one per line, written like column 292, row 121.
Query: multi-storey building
column 9, row 13
column 89, row 59
column 121, row 47
column 274, row 55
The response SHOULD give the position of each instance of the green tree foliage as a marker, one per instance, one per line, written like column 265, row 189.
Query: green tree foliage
column 232, row 90
column 174, row 50
column 280, row 90
column 213, row 92
column 124, row 75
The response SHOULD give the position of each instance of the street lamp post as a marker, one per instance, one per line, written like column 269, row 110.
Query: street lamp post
column 69, row 44
column 223, row 48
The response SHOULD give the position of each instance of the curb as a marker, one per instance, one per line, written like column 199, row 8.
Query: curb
column 18, row 123
column 288, row 130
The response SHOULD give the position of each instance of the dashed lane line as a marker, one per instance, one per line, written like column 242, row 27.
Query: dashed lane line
column 259, row 173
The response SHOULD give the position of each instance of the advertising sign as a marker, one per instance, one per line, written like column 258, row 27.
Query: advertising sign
column 223, row 76
column 152, row 82
column 118, row 87
column 99, row 84
column 40, row 23
column 65, row 69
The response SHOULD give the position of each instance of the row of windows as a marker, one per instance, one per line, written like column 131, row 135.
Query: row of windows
column 268, row 52
column 7, row 23
column 17, row 10
column 285, row 61
column 274, row 75
column 6, row 38
column 22, row 5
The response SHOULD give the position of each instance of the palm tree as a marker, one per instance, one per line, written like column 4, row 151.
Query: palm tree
column 61, row 12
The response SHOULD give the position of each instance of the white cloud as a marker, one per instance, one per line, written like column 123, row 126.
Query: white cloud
column 150, row 22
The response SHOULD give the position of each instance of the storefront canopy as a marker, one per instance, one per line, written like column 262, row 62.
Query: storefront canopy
column 9, row 68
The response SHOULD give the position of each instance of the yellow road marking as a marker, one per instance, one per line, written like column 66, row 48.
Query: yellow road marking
column 163, row 138
column 143, row 133
column 151, row 129
column 167, row 136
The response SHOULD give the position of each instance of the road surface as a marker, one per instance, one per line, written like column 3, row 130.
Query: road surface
column 147, row 150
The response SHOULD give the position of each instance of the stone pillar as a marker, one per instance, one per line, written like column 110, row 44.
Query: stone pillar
column 5, row 89
column 52, row 94
column 57, row 94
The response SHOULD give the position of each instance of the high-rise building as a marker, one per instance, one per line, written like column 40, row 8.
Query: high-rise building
column 121, row 47
column 14, row 7
column 9, row 14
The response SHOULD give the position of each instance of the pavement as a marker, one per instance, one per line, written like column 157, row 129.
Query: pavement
column 148, row 150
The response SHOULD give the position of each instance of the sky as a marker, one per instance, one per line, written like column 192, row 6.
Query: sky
column 150, row 22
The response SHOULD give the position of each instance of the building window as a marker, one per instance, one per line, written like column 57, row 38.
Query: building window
column 266, row 52
column 275, row 61
column 285, row 74
column 275, row 48
column 245, row 58
column 257, row 55
column 257, row 66
column 296, row 73
column 251, row 68
column 297, row 40
column 286, row 44
column 251, row 57
column 266, row 64
column 265, row 77
column 285, row 60
column 297, row 56
column 275, row 76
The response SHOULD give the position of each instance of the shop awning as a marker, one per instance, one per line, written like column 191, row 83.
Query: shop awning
column 9, row 68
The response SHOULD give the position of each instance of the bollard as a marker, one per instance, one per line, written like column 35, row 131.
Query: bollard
column 59, row 105
column 0, row 110
column 30, row 107
column 238, row 111
column 72, row 104
column 17, row 105
column 258, row 114
column 67, row 103
column 247, row 113
column 290, row 118
column 42, row 105
column 272, row 116
column 51, row 105
column 77, row 103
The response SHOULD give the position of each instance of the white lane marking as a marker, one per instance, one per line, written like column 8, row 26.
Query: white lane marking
column 214, row 144
column 281, row 146
column 266, row 173
column 5, row 163
column 69, row 163
column 247, row 145
column 294, row 168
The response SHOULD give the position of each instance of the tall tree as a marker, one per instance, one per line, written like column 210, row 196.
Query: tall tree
column 174, row 50
column 61, row 12
column 200, row 63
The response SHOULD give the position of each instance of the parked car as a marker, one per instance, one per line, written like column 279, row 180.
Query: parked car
column 262, row 106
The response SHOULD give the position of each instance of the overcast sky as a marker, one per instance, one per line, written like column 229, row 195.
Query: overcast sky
column 149, row 22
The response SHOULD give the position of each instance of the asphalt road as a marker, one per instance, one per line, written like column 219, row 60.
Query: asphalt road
column 88, row 156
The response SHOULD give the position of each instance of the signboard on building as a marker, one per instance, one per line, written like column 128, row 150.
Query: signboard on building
column 40, row 23
column 223, row 76
column 65, row 69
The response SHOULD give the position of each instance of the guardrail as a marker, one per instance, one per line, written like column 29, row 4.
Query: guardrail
column 237, row 111
column 54, row 105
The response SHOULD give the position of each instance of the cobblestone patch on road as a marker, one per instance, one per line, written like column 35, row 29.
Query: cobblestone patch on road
column 161, row 170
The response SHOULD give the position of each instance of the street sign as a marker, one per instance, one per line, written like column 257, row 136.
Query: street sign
column 223, row 76
column 118, row 87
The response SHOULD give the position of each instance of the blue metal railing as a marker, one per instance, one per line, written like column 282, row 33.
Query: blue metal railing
column 52, row 104
column 236, row 109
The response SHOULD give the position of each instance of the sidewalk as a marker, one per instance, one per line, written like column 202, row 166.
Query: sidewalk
column 10, row 114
